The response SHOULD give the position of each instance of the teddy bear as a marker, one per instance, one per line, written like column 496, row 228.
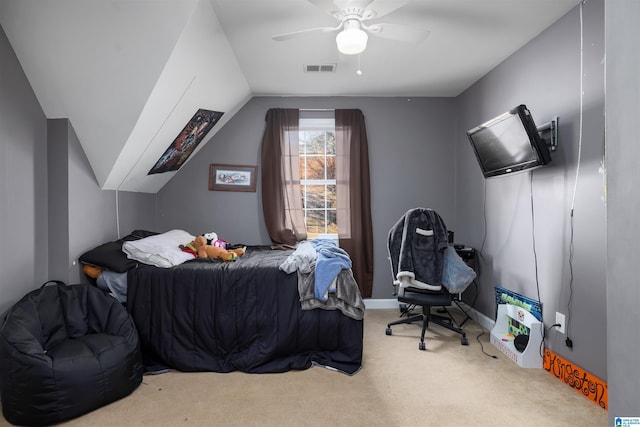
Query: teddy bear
column 203, row 250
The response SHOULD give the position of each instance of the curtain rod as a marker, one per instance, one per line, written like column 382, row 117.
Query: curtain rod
column 317, row 109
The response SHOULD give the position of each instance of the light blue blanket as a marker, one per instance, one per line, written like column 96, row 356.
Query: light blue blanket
column 329, row 262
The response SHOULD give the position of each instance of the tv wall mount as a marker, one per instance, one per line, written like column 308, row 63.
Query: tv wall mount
column 549, row 133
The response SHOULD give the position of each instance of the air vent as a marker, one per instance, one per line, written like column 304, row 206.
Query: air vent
column 320, row 68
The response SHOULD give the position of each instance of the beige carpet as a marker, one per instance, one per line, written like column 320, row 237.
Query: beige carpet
column 399, row 385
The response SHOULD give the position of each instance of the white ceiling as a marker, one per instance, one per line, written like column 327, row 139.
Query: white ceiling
column 468, row 38
column 129, row 74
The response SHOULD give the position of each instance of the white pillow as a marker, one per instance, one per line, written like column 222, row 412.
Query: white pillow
column 161, row 250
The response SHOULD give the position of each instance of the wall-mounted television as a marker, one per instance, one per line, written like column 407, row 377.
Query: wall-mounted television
column 509, row 143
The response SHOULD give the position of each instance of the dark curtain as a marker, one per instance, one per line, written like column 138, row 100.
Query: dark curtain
column 280, row 161
column 354, row 195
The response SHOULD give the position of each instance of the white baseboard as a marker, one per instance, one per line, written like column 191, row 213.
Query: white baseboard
column 379, row 304
column 392, row 303
column 480, row 318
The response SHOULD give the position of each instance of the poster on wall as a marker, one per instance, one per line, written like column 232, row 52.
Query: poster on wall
column 186, row 141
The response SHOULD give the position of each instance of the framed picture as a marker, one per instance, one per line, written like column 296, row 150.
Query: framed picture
column 232, row 177
column 187, row 140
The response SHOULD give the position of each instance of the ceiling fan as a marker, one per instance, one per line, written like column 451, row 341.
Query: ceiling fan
column 352, row 16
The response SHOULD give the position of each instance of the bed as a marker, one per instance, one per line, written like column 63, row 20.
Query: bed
column 246, row 315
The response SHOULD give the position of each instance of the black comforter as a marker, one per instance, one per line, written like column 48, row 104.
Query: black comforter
column 207, row 315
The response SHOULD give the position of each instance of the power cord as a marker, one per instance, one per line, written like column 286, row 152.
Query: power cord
column 568, row 341
column 473, row 303
column 476, row 320
column 535, row 261
column 482, row 347
column 544, row 337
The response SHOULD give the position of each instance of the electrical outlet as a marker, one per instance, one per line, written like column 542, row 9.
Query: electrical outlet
column 561, row 321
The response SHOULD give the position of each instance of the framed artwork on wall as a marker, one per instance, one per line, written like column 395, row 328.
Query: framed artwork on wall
column 224, row 177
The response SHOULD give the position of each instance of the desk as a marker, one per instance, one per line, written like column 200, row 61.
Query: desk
column 467, row 253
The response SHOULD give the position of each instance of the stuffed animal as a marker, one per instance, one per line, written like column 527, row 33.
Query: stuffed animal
column 211, row 237
column 92, row 271
column 213, row 240
column 208, row 251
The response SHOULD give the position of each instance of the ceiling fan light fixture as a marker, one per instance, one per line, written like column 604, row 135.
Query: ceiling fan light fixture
column 352, row 40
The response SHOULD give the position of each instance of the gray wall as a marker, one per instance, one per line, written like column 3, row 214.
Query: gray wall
column 92, row 213
column 136, row 211
column 23, row 183
column 544, row 75
column 58, row 163
column 411, row 158
column 81, row 215
column 623, row 204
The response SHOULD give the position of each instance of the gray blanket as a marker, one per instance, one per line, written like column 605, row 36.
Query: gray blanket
column 342, row 294
column 346, row 297
column 417, row 243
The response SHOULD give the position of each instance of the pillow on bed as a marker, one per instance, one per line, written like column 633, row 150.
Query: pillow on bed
column 161, row 250
column 110, row 256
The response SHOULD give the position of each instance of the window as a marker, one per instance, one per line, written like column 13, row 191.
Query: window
column 317, row 141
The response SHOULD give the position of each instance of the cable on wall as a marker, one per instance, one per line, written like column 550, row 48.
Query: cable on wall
column 575, row 184
column 533, row 234
column 117, row 216
column 535, row 261
column 479, row 264
column 484, row 214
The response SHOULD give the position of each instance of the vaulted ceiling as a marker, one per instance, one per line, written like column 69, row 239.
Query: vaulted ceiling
column 129, row 74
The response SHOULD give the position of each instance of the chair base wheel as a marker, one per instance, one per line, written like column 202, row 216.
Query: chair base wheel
column 421, row 346
column 388, row 331
column 464, row 341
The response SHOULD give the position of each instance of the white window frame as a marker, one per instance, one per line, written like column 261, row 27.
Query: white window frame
column 317, row 121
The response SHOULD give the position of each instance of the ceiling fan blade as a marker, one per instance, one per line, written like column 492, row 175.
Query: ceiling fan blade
column 304, row 33
column 384, row 7
column 399, row 32
column 327, row 5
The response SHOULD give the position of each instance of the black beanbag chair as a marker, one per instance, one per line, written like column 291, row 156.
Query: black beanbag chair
column 65, row 351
